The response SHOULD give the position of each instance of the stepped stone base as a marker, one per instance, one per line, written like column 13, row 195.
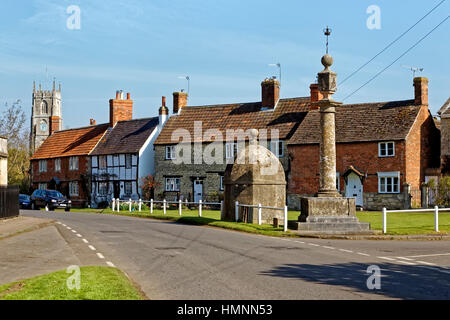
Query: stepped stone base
column 329, row 216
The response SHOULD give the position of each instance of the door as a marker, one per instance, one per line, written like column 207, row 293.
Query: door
column 116, row 189
column 198, row 190
column 354, row 189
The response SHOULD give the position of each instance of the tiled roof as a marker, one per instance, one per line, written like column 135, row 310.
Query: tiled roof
column 72, row 142
column 362, row 122
column 243, row 116
column 126, row 136
column 444, row 112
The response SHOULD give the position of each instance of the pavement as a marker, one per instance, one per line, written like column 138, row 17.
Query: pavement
column 174, row 261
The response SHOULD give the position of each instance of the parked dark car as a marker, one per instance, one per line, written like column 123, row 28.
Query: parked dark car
column 24, row 201
column 50, row 200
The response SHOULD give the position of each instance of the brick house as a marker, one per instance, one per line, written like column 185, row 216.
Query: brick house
column 62, row 162
column 444, row 114
column 124, row 156
column 194, row 177
column 382, row 150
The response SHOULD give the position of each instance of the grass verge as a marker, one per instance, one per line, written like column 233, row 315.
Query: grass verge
column 97, row 283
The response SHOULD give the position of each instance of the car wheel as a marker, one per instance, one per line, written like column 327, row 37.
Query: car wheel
column 67, row 209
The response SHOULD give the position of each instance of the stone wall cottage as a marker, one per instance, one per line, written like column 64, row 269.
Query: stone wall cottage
column 62, row 162
column 198, row 178
column 383, row 150
column 444, row 114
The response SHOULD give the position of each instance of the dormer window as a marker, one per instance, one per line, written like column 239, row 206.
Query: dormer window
column 386, row 149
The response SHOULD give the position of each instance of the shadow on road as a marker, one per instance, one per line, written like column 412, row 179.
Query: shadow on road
column 397, row 281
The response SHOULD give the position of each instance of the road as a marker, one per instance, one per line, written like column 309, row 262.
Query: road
column 174, row 261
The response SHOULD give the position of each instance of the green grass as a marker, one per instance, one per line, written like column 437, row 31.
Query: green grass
column 398, row 223
column 97, row 283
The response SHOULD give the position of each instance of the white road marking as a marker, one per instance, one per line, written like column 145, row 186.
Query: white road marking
column 406, row 262
column 299, row 241
column 326, row 247
column 92, row 248
column 430, row 255
column 386, row 258
column 109, row 263
column 100, row 255
column 74, row 231
column 404, row 258
column 313, row 244
column 79, row 235
column 69, row 228
column 85, row 241
column 363, row 254
column 343, row 250
column 427, row 263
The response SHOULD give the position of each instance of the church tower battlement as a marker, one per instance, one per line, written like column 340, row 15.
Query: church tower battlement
column 46, row 114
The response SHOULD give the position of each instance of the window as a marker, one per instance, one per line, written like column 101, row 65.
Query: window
column 386, row 149
column 128, row 188
column 277, row 148
column 73, row 188
column 102, row 162
column 172, row 184
column 103, row 188
column 57, row 165
column 43, row 126
column 231, row 149
column 43, row 166
column 388, row 182
column 338, row 181
column 222, row 186
column 170, row 153
column 128, row 158
column 42, row 186
column 73, row 163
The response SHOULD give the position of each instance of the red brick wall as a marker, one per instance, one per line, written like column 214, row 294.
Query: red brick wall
column 304, row 173
column 120, row 110
column 65, row 176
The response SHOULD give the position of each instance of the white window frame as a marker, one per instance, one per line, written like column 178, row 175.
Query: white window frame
column 128, row 183
column 102, row 162
column 58, row 165
column 388, row 177
column 171, row 152
column 231, row 150
column 73, row 189
column 103, row 191
column 42, row 165
column 73, row 163
column 172, row 184
column 42, row 186
column 128, row 161
column 276, row 146
column 386, row 144
column 222, row 186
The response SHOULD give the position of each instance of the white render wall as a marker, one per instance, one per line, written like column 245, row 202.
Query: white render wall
column 3, row 162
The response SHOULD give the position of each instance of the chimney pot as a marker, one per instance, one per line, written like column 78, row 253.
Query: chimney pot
column 117, row 95
column 164, row 101
column 128, row 96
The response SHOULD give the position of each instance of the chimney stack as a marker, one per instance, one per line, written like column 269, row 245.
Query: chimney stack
column 316, row 96
column 163, row 113
column 270, row 93
column 55, row 124
column 120, row 109
column 179, row 101
column 421, row 91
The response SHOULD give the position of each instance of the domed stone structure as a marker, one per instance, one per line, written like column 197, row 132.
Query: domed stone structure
column 256, row 177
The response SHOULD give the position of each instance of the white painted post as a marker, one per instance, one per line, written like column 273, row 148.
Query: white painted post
column 130, row 205
column 436, row 218
column 165, row 206
column 200, row 208
column 151, row 206
column 236, row 211
column 384, row 221
column 113, row 204
column 180, row 206
column 118, row 205
column 221, row 210
column 140, row 205
column 259, row 213
column 285, row 218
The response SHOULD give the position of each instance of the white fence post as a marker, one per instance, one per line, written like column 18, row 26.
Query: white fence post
column 221, row 210
column 140, row 205
column 259, row 214
column 200, row 208
column 130, row 205
column 285, row 218
column 113, row 204
column 236, row 211
column 165, row 206
column 384, row 221
column 151, row 206
column 180, row 208
column 118, row 205
column 436, row 218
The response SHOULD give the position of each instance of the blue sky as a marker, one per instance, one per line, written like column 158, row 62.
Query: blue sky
column 225, row 47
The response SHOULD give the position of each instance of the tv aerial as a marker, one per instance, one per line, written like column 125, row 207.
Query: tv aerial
column 413, row 69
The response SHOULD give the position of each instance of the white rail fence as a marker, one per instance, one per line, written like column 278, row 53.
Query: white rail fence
column 115, row 206
column 436, row 211
column 260, row 207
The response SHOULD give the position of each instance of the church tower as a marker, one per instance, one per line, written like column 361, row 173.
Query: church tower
column 46, row 115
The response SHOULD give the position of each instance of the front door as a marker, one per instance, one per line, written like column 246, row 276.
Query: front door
column 116, row 189
column 198, row 190
column 354, row 189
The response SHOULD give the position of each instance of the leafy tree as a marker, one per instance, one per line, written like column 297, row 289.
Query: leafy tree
column 148, row 185
column 13, row 127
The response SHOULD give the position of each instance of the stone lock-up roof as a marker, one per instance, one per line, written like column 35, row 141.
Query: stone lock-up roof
column 444, row 112
column 126, row 136
column 362, row 122
column 285, row 117
column 72, row 142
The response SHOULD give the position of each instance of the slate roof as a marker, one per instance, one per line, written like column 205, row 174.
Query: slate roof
column 126, row 136
column 362, row 122
column 444, row 112
column 72, row 142
column 285, row 117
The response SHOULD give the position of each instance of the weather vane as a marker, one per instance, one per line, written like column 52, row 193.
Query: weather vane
column 327, row 33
